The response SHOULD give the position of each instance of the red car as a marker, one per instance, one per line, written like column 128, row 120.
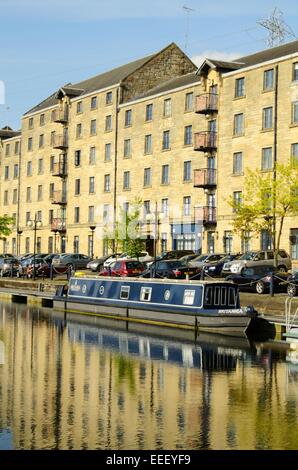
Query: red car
column 124, row 268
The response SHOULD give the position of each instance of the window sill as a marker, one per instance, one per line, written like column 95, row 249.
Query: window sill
column 235, row 136
column 108, row 130
column 266, row 170
column 147, row 187
column 263, row 131
column 166, row 150
column 238, row 174
column 237, row 98
column 268, row 90
column 295, row 124
column 187, row 181
column 126, row 189
column 188, row 145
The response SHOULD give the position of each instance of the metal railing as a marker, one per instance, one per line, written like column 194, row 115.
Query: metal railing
column 204, row 177
column 205, row 140
column 206, row 103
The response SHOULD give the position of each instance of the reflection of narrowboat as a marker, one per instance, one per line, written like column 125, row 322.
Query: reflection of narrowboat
column 208, row 305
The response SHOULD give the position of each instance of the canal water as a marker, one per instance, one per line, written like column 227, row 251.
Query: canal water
column 100, row 384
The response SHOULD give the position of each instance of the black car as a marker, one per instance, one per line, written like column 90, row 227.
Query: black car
column 8, row 266
column 258, row 278
column 214, row 269
column 171, row 269
column 174, row 254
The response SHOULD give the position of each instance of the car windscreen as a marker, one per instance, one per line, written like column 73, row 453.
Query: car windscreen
column 134, row 265
column 248, row 256
column 170, row 265
column 201, row 258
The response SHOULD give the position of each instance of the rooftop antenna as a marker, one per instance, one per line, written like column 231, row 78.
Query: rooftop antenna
column 278, row 29
column 188, row 10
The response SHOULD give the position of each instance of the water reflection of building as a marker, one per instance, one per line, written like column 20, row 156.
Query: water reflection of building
column 59, row 390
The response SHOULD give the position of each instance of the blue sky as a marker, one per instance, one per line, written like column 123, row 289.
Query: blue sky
column 47, row 43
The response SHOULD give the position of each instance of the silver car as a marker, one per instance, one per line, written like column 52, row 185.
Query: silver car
column 254, row 258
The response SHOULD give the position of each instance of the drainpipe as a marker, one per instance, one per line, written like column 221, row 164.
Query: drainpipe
column 115, row 166
column 18, row 204
column 274, row 163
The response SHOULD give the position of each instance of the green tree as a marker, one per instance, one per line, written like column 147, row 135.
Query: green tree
column 127, row 234
column 5, row 225
column 266, row 200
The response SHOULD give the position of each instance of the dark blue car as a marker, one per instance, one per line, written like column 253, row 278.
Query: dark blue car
column 214, row 269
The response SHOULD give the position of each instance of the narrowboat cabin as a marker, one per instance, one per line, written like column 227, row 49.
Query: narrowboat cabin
column 207, row 305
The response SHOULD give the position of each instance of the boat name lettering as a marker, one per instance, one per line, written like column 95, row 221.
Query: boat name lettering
column 233, row 310
column 75, row 287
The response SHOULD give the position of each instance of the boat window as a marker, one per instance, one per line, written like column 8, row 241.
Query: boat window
column 223, row 296
column 232, row 297
column 146, row 294
column 124, row 293
column 208, row 295
column 189, row 297
column 216, row 295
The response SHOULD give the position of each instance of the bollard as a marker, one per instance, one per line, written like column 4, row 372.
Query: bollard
column 271, row 285
column 202, row 274
column 51, row 271
column 11, row 271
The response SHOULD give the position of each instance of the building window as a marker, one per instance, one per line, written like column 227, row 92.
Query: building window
column 76, row 215
column 28, row 217
column 52, row 163
column 126, row 180
column 245, row 241
column 106, row 213
column 77, row 158
column 146, row 208
column 186, row 205
column 266, row 240
column 15, row 196
column 41, row 140
column 91, row 214
column 6, row 173
column 50, row 245
column 91, row 184
column 93, row 102
column 51, row 216
column 237, row 163
column 188, row 135
column 149, row 112
column 239, row 124
column 108, row 123
column 165, row 206
column 127, row 148
column 77, row 187
column 79, row 107
column 29, row 168
column 166, row 140
column 76, row 244
column 148, row 144
column 51, row 190
column 16, row 148
column 5, row 199
column 210, row 242
column 107, row 152
column 27, row 244
column 267, row 158
column 79, row 131
column 295, row 112
column 294, row 153
column 128, row 118
column 165, row 174
column 187, row 171
column 147, row 177
column 227, row 241
column 40, row 166
column 268, row 81
column 294, row 243
column 237, row 199
column 38, row 245
column 93, row 127
column 30, row 125
column 53, row 133
column 16, row 171
column 107, row 185
column 39, row 192
column 295, row 72
column 164, row 241
column 186, row 241
column 7, row 150
column 267, row 118
column 28, row 194
column 189, row 102
column 239, row 87
column 167, row 107
column 92, row 156
column 30, row 144
column 109, row 97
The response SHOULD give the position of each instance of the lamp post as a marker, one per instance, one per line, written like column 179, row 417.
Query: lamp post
column 35, row 224
column 92, row 228
column 19, row 233
column 55, row 240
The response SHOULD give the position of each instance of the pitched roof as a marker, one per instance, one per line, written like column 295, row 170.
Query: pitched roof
column 184, row 80
column 7, row 133
column 104, row 80
column 269, row 54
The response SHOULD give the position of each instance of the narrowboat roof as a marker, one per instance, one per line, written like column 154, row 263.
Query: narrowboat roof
column 149, row 280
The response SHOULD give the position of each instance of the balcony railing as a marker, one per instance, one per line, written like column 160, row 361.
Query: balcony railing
column 60, row 115
column 206, row 103
column 60, row 141
column 59, row 167
column 204, row 178
column 205, row 141
column 58, row 197
column 58, row 225
column 205, row 215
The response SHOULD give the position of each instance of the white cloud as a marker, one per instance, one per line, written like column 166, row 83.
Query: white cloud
column 219, row 55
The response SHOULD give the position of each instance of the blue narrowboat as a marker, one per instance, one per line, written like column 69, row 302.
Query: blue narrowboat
column 205, row 305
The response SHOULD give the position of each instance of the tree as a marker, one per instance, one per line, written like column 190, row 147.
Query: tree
column 266, row 200
column 127, row 235
column 5, row 225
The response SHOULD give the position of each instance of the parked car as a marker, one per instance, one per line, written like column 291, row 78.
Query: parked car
column 258, row 278
column 214, row 268
column 111, row 259
column 7, row 255
column 201, row 260
column 73, row 260
column 8, row 266
column 144, row 257
column 49, row 258
column 292, row 286
column 97, row 263
column 172, row 254
column 25, row 267
column 171, row 269
column 124, row 268
column 254, row 258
